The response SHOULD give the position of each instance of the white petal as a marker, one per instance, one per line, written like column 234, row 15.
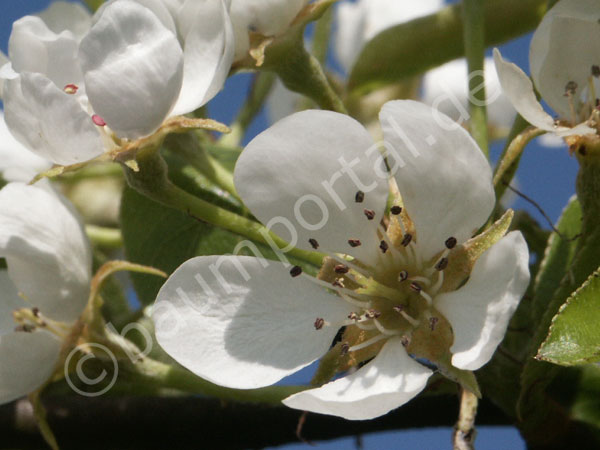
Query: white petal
column 3, row 62
column 33, row 47
column 444, row 179
column 281, row 102
column 208, row 50
column 479, row 311
column 47, row 252
column 446, row 89
column 519, row 89
column 17, row 163
column 350, row 37
column 133, row 69
column 28, row 360
column 238, row 324
column 267, row 17
column 564, row 47
column 61, row 16
column 389, row 381
column 291, row 178
column 48, row 121
column 9, row 302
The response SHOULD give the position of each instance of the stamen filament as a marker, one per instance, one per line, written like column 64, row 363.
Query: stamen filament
column 367, row 343
column 384, row 330
column 427, row 297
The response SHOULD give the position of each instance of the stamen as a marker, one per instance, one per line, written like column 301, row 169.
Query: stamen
column 396, row 210
column 400, row 310
column 339, row 282
column 366, row 326
column 344, row 349
column 438, row 284
column 354, row 242
column 359, row 197
column 450, row 243
column 395, row 253
column 98, row 120
column 367, row 343
column 433, row 322
column 71, row 89
column 441, row 264
column 319, row 322
column 314, row 244
column 348, row 263
column 383, row 246
column 341, row 269
column 403, row 275
column 36, row 311
column 425, row 280
column 372, row 314
column 295, row 271
column 369, row 213
column 427, row 297
column 416, row 287
column 353, row 316
column 406, row 240
column 348, row 298
column 384, row 330
column 570, row 88
column 25, row 328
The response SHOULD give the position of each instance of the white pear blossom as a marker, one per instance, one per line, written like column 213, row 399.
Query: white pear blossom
column 17, row 163
column 267, row 17
column 446, row 89
column 45, row 288
column 316, row 179
column 68, row 93
column 360, row 21
column 564, row 60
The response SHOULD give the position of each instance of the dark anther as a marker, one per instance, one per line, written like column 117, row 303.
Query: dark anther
column 406, row 240
column 372, row 314
column 570, row 88
column 36, row 311
column 295, row 271
column 433, row 322
column 596, row 71
column 314, row 244
column 582, row 150
column 369, row 213
column 359, row 197
column 354, row 242
column 319, row 323
column 450, row 242
column 338, row 282
column 341, row 269
column 405, row 340
column 395, row 210
column 442, row 264
column 383, row 246
column 398, row 308
column 403, row 275
column 416, row 287
column 353, row 316
column 345, row 348
column 24, row 328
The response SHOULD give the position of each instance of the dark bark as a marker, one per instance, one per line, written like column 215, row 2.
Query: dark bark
column 194, row 423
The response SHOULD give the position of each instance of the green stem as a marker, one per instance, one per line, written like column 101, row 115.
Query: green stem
column 474, row 41
column 151, row 373
column 261, row 87
column 151, row 180
column 104, row 237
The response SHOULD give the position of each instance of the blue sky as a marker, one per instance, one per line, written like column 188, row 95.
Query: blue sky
column 546, row 174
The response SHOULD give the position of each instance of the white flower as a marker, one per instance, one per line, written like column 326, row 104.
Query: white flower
column 46, row 286
column 358, row 22
column 17, row 163
column 446, row 89
column 137, row 65
column 267, row 17
column 316, row 179
column 564, row 62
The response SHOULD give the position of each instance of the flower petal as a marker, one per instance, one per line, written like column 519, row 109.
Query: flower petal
column 133, row 69
column 445, row 89
column 3, row 62
column 389, row 381
column 208, row 49
column 33, row 47
column 17, row 163
column 48, row 121
column 9, row 302
column 519, row 89
column 61, row 16
column 28, row 360
column 351, row 19
column 239, row 324
column 46, row 249
column 479, row 311
column 444, row 179
column 301, row 176
column 564, row 48
column 267, row 17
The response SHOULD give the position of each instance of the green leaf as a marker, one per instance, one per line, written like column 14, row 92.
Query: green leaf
column 558, row 256
column 574, row 336
column 412, row 48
